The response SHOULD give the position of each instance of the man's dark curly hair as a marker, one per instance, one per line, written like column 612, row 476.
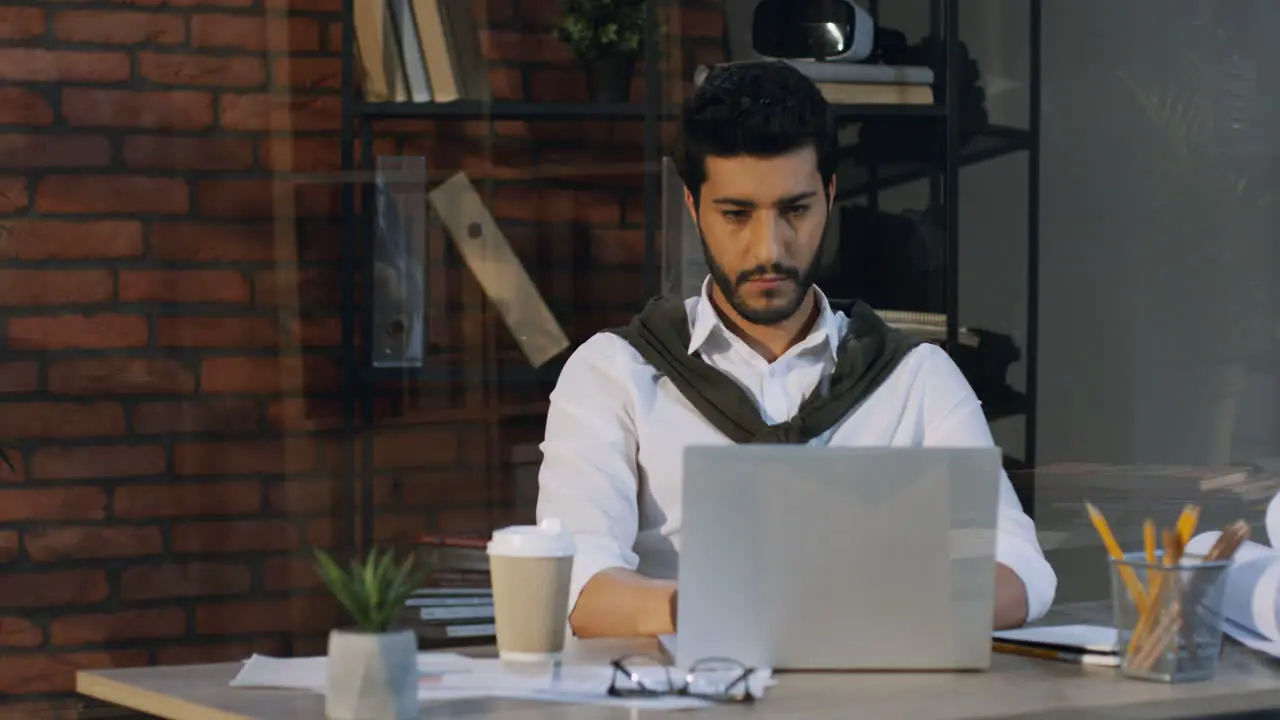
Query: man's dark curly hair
column 761, row 109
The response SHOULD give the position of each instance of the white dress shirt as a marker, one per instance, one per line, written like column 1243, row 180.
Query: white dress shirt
column 616, row 430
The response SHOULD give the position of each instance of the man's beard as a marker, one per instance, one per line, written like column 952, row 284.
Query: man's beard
column 768, row 316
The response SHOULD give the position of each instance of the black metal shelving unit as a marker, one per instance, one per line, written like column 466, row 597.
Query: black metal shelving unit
column 357, row 132
column 981, row 144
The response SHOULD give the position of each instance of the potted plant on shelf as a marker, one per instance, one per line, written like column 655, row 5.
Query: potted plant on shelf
column 607, row 36
column 373, row 669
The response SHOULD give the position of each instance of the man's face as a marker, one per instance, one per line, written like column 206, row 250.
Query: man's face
column 762, row 221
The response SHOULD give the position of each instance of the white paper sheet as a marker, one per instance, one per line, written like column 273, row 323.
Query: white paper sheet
column 1273, row 520
column 1087, row 638
column 1251, row 596
column 565, row 683
column 311, row 673
column 448, row 676
column 1250, row 639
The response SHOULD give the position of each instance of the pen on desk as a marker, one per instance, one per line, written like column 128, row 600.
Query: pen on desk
column 1058, row 655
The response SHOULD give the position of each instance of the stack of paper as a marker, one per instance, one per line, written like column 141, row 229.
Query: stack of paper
column 1084, row 644
column 1251, row 600
column 448, row 676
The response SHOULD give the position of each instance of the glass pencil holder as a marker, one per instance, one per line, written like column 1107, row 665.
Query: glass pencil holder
column 1168, row 618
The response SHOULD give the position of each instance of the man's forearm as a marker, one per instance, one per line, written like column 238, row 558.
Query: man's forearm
column 622, row 603
column 1011, row 599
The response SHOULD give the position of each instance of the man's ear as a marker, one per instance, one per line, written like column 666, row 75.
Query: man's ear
column 831, row 193
column 691, row 204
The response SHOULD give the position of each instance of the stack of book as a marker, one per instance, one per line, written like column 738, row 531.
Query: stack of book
column 860, row 83
column 455, row 604
column 420, row 51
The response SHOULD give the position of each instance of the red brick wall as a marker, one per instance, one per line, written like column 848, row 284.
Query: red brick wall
column 170, row 375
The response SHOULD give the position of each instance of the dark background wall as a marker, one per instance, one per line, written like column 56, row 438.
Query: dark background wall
column 168, row 318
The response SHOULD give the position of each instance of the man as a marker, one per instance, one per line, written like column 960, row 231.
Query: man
column 758, row 159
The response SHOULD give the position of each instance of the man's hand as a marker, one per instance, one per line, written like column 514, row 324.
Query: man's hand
column 1011, row 599
column 622, row 603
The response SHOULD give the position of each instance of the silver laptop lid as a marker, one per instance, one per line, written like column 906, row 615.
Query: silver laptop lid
column 798, row 557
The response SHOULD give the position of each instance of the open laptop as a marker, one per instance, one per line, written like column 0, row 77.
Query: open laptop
column 807, row 558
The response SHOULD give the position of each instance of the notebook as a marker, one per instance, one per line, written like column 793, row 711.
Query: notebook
column 1094, row 639
column 1081, row 644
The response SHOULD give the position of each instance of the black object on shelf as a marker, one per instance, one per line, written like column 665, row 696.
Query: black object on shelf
column 856, row 179
column 986, row 367
column 889, row 261
column 916, row 140
column 928, row 114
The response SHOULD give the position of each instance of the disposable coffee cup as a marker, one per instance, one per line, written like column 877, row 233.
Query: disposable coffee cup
column 530, row 567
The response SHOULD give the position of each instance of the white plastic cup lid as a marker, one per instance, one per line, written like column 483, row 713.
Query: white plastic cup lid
column 546, row 539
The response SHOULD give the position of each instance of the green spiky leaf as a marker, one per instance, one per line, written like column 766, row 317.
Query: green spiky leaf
column 372, row 591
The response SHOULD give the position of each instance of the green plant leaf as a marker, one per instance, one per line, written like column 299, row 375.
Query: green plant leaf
column 600, row 28
column 372, row 591
column 339, row 583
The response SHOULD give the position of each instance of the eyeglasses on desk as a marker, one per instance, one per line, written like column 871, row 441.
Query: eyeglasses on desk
column 721, row 680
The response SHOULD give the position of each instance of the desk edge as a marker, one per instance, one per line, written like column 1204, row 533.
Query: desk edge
column 92, row 684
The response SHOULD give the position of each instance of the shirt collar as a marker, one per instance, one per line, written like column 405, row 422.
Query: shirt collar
column 705, row 320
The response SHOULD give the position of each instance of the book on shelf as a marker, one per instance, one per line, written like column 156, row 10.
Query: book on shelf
column 455, row 601
column 411, row 52
column 378, row 52
column 450, row 596
column 438, row 618
column 875, row 93
column 453, row 554
column 420, row 51
column 925, row 325
column 859, row 83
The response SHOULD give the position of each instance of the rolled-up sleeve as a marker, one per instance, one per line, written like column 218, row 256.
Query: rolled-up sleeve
column 954, row 418
column 588, row 475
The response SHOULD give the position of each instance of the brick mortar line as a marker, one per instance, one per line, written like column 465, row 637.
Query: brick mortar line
column 57, row 7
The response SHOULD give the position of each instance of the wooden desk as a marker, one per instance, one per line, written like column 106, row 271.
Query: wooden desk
column 1015, row 687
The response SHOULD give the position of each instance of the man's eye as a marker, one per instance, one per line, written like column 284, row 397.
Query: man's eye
column 795, row 210
column 735, row 215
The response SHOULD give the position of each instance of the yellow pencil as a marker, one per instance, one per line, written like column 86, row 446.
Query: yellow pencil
column 1187, row 522
column 1082, row 658
column 1149, row 540
column 1146, row 614
column 1127, row 575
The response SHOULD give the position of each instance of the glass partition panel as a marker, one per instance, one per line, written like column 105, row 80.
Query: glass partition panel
column 172, row 382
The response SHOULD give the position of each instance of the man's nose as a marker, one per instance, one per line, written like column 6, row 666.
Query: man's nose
column 767, row 238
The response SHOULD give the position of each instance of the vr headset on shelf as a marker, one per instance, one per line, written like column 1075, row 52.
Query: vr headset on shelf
column 831, row 30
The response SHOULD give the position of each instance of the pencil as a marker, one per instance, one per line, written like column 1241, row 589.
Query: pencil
column 1080, row 658
column 1149, row 540
column 1171, row 620
column 1187, row 522
column 1153, row 583
column 1127, row 575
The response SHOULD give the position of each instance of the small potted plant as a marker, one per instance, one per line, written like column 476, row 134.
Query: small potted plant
column 373, row 669
column 607, row 36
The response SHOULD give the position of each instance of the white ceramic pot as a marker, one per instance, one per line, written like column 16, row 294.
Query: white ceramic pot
column 372, row 676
